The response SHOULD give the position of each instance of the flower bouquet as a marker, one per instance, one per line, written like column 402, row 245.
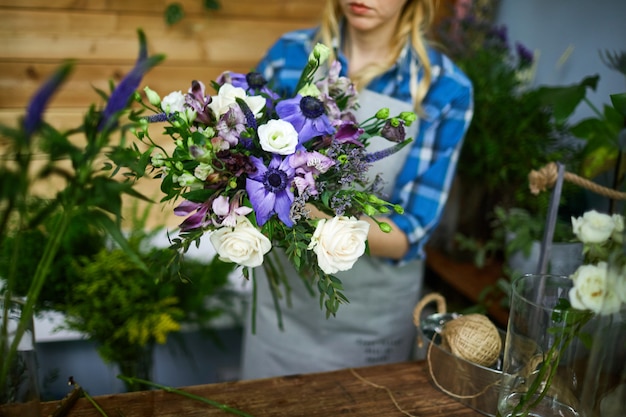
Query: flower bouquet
column 565, row 341
column 250, row 166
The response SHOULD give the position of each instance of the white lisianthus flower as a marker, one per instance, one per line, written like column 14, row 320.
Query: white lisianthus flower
column 278, row 136
column 338, row 243
column 186, row 180
column 243, row 244
column 157, row 160
column 227, row 96
column 173, row 102
column 593, row 227
column 202, row 171
column 591, row 290
column 618, row 231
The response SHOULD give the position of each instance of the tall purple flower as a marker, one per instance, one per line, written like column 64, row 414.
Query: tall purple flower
column 269, row 189
column 38, row 103
column 123, row 92
column 307, row 115
column 231, row 125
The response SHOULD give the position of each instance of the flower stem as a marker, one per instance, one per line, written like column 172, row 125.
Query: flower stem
column 165, row 388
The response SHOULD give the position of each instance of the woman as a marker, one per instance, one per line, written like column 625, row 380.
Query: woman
column 381, row 46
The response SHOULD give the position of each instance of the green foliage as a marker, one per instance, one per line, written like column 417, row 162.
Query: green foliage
column 601, row 132
column 174, row 12
column 512, row 131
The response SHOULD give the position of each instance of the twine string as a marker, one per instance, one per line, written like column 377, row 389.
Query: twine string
column 389, row 393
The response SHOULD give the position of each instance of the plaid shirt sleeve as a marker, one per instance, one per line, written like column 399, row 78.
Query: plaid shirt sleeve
column 424, row 183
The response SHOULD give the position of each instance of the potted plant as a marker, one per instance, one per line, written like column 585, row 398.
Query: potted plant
column 512, row 132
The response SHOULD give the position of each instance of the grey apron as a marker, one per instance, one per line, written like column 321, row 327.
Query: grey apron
column 375, row 327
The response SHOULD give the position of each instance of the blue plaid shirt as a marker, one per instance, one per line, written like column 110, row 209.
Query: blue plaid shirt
column 423, row 184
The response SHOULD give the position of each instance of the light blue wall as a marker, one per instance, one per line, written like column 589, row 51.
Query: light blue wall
column 552, row 26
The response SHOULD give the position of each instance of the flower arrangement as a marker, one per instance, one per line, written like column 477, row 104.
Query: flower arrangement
column 599, row 290
column 250, row 166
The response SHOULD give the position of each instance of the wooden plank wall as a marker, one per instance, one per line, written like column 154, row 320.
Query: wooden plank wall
column 101, row 35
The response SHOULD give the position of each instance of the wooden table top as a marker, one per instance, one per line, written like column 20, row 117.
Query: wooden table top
column 396, row 390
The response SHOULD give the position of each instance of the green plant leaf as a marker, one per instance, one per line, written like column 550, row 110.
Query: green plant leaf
column 619, row 102
column 174, row 13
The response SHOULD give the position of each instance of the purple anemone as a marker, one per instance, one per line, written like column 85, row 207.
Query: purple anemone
column 269, row 189
column 307, row 115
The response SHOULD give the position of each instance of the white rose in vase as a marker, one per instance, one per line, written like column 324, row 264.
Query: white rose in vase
column 593, row 227
column 591, row 290
column 338, row 243
column 243, row 244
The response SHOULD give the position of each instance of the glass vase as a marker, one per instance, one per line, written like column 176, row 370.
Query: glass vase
column 138, row 363
column 19, row 388
column 604, row 386
column 546, row 351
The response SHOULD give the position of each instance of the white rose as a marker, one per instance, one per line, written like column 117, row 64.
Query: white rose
column 338, row 243
column 593, row 227
column 278, row 136
column 173, row 102
column 618, row 231
column 243, row 244
column 227, row 96
column 591, row 290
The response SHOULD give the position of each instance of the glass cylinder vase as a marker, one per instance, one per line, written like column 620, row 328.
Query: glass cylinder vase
column 19, row 388
column 604, row 386
column 546, row 351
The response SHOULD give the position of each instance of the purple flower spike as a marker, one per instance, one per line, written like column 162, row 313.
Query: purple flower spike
column 269, row 189
column 37, row 105
column 123, row 92
column 307, row 115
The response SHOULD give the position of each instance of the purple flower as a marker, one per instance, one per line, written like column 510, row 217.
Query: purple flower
column 197, row 99
column 123, row 92
column 393, row 130
column 307, row 165
column 231, row 125
column 228, row 210
column 348, row 131
column 269, row 189
column 197, row 220
column 253, row 82
column 524, row 54
column 307, row 115
column 38, row 103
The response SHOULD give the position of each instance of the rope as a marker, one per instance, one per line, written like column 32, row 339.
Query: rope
column 393, row 399
column 544, row 178
column 417, row 311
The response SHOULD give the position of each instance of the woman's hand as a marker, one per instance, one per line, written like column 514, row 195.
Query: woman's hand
column 392, row 245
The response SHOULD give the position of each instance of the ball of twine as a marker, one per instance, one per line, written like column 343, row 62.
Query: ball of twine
column 474, row 338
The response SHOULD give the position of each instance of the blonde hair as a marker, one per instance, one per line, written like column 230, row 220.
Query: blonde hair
column 414, row 23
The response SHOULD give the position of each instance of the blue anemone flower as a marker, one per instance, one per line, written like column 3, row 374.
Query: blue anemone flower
column 307, row 115
column 269, row 189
